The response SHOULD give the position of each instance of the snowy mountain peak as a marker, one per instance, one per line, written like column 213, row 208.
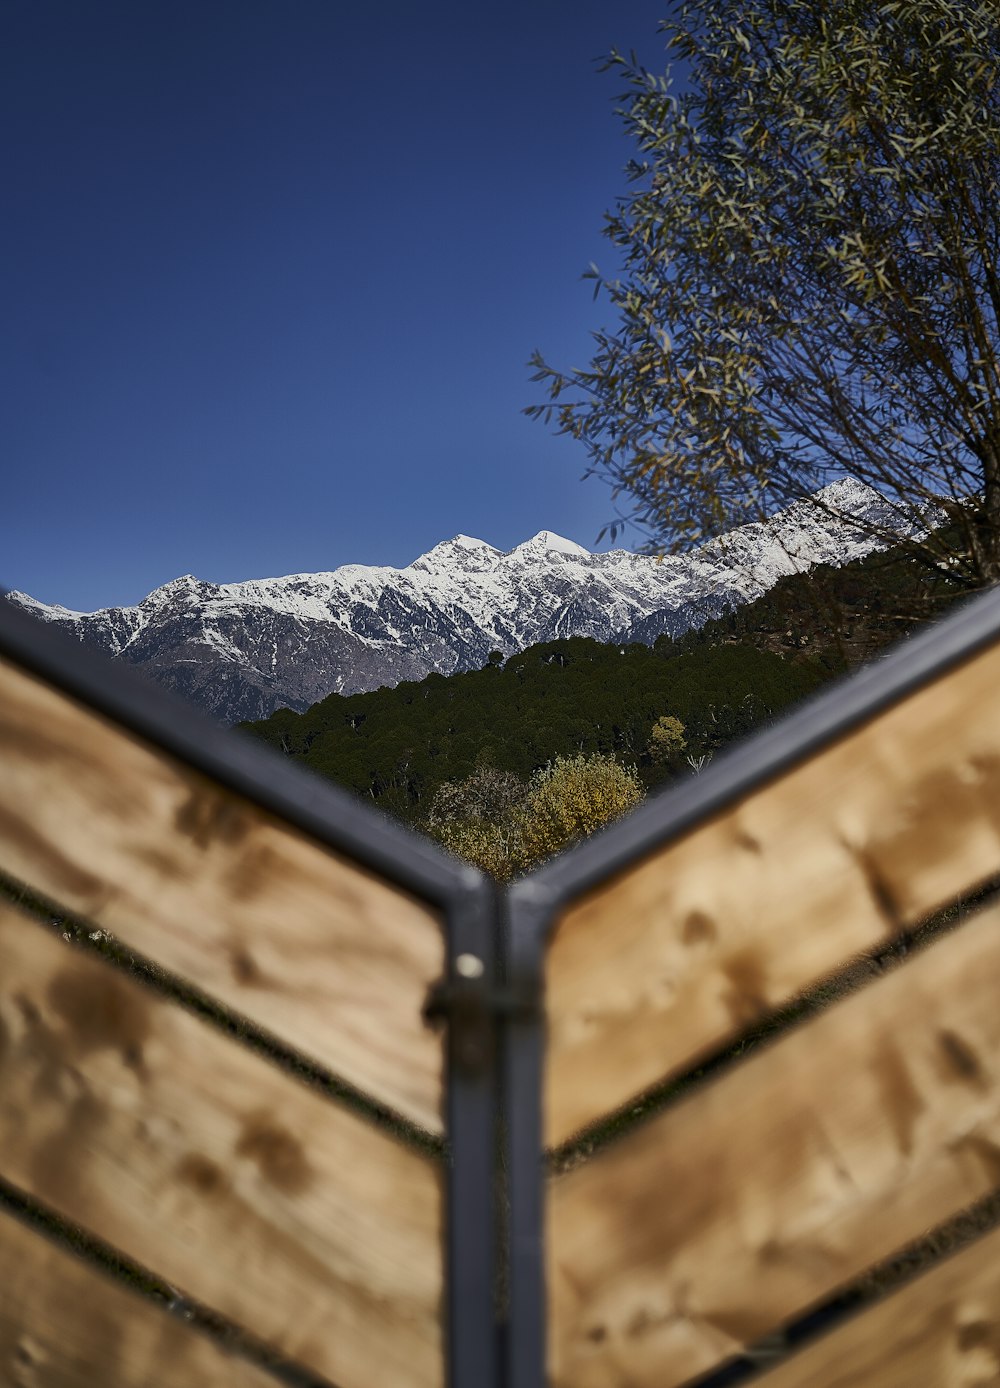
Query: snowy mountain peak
column 243, row 649
column 185, row 581
column 469, row 542
column 546, row 542
column 187, row 587
column 848, row 496
column 464, row 550
column 49, row 611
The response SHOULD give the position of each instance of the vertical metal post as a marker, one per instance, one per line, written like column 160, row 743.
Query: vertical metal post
column 471, row 1168
column 522, row 1058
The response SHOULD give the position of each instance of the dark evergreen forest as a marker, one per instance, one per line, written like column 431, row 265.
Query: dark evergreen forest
column 398, row 745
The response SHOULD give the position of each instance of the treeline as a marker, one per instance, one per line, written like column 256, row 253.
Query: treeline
column 398, row 746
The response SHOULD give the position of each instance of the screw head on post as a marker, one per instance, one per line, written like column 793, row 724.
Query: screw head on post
column 469, row 966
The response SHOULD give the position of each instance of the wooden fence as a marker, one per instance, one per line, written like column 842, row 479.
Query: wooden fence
column 234, row 1150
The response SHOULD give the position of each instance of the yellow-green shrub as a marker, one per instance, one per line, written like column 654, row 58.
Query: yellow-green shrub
column 570, row 798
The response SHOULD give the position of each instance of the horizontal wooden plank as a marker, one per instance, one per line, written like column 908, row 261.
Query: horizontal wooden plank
column 302, row 941
column 941, row 1331
column 64, row 1324
column 234, row 1181
column 664, row 962
column 733, row 1212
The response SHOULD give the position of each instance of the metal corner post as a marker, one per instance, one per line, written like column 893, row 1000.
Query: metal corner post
column 463, row 1001
column 525, row 929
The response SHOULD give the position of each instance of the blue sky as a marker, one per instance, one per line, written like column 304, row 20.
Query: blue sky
column 272, row 271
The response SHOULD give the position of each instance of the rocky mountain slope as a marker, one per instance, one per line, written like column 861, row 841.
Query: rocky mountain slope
column 240, row 650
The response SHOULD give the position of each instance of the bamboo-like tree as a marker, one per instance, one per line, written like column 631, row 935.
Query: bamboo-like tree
column 809, row 285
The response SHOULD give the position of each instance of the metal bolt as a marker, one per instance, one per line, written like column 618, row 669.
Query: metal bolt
column 469, row 966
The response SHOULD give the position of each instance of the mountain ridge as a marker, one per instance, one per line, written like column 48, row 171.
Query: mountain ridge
column 243, row 649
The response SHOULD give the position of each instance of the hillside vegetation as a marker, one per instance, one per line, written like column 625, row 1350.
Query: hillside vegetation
column 476, row 759
column 398, row 746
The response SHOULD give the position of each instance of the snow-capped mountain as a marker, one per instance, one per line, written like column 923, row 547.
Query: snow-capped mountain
column 241, row 650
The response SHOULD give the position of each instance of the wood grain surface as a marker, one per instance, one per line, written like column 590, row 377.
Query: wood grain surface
column 664, row 962
column 64, row 1324
column 307, row 944
column 941, row 1331
column 221, row 1173
column 796, row 1170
